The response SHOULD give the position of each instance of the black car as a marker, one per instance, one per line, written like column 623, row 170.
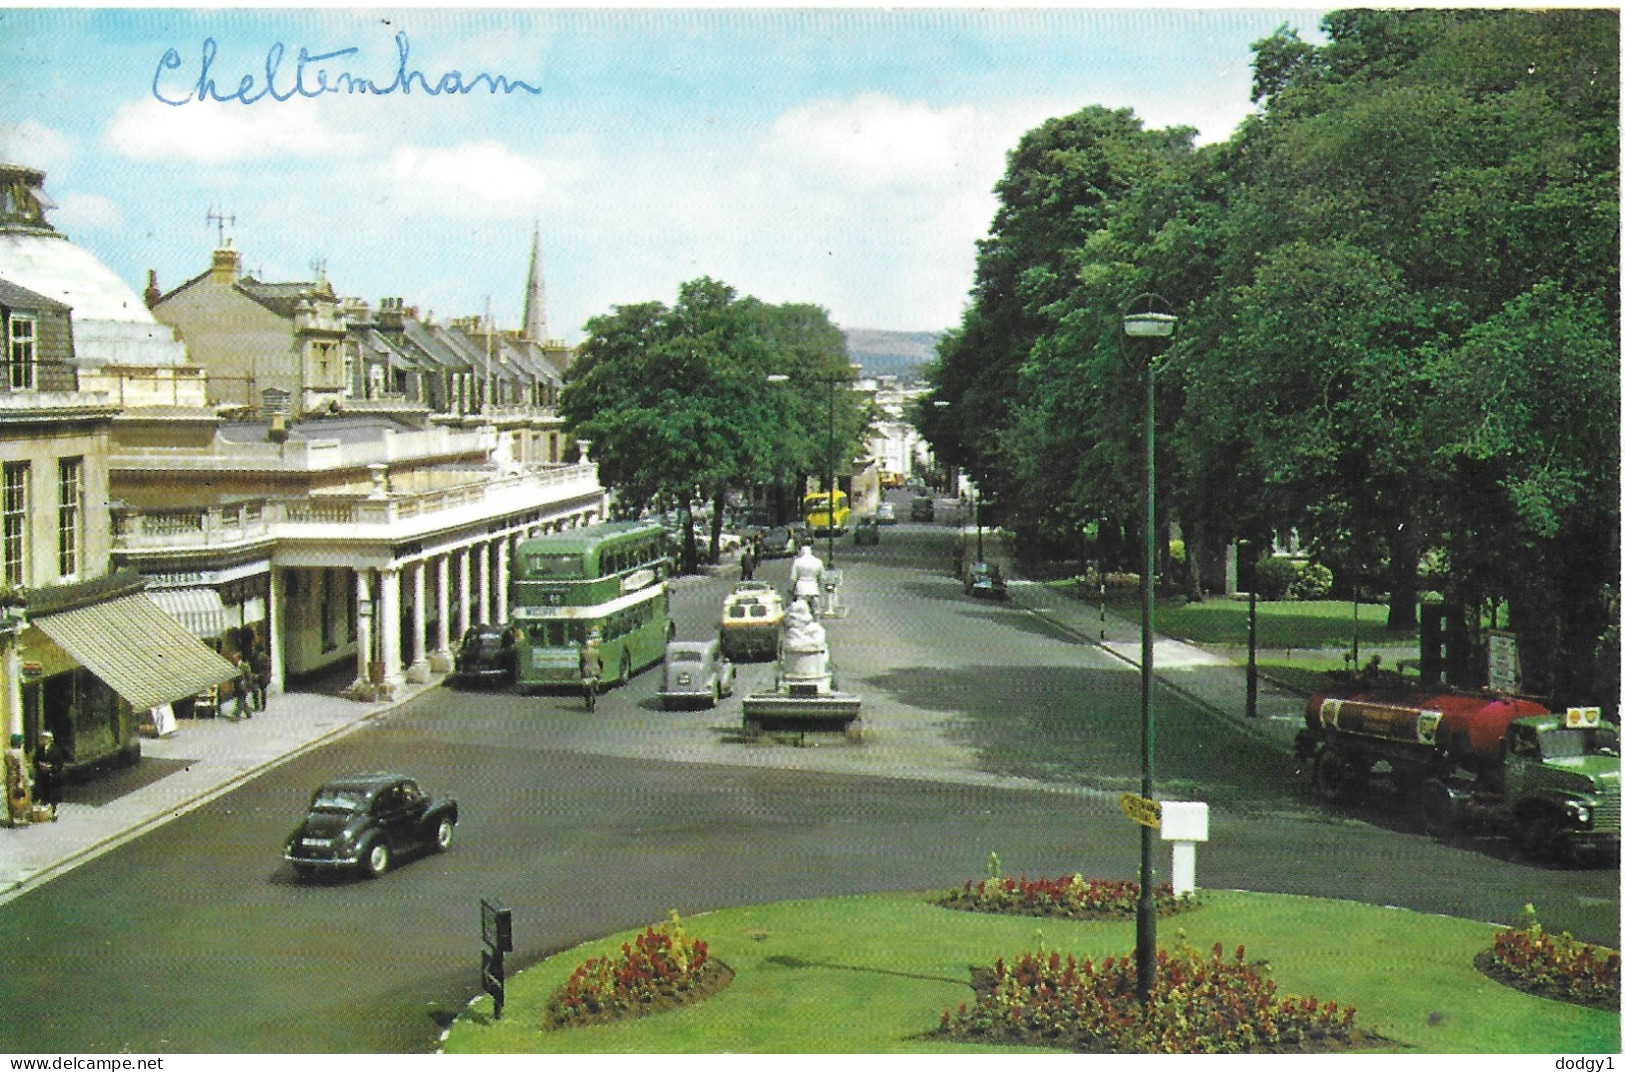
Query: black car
column 778, row 542
column 985, row 582
column 486, row 654
column 362, row 821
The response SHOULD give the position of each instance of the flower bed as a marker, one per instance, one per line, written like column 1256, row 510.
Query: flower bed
column 1553, row 966
column 1212, row 1004
column 663, row 968
column 1070, row 897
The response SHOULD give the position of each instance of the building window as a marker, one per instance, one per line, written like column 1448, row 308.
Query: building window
column 69, row 513
column 14, row 523
column 21, row 352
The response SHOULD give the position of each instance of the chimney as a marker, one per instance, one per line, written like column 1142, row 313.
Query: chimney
column 153, row 294
column 228, row 264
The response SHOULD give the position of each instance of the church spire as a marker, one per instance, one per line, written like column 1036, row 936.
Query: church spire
column 536, row 292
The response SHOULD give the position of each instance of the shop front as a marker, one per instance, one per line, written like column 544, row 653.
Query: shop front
column 100, row 659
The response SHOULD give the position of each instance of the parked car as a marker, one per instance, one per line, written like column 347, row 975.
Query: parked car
column 363, row 821
column 778, row 542
column 485, row 656
column 867, row 530
column 886, row 514
column 985, row 582
column 696, row 671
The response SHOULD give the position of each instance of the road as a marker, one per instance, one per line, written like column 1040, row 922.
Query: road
column 986, row 731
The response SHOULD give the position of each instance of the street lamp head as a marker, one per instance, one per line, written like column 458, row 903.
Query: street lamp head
column 1149, row 325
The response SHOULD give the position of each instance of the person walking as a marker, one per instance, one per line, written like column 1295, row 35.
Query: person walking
column 259, row 665
column 591, row 665
column 243, row 686
column 48, row 773
column 747, row 564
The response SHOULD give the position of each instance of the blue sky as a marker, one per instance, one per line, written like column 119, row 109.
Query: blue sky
column 844, row 157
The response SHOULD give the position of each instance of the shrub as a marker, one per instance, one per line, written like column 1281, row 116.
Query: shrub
column 1071, row 896
column 1313, row 581
column 1198, row 1004
column 1558, row 966
column 1273, row 577
column 661, row 962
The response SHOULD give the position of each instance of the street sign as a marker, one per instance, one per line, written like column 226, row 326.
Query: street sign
column 496, row 927
column 496, row 931
column 1505, row 674
column 1142, row 810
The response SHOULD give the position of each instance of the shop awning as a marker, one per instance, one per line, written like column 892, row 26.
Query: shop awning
column 140, row 652
column 198, row 609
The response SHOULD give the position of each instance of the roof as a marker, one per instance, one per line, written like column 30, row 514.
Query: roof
column 22, row 298
column 283, row 298
column 111, row 324
column 426, row 341
column 52, row 266
column 582, row 539
column 351, row 429
column 370, row 781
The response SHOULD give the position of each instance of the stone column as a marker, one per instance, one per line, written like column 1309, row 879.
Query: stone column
column 485, row 583
column 502, row 580
column 418, row 672
column 389, row 627
column 363, row 631
column 440, row 658
column 274, row 629
column 465, row 590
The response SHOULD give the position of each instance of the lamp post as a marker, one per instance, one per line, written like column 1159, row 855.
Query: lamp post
column 1148, row 324
column 829, row 448
column 1252, row 631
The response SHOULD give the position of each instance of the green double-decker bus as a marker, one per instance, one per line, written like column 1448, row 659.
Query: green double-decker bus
column 608, row 578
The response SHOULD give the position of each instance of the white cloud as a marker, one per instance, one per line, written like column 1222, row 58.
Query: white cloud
column 33, row 145
column 874, row 139
column 210, row 132
column 76, row 210
column 478, row 180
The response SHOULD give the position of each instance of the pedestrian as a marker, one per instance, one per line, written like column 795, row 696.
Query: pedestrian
column 243, row 686
column 591, row 665
column 260, row 665
column 48, row 773
column 747, row 565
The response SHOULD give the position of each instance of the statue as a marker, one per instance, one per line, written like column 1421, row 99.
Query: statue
column 806, row 577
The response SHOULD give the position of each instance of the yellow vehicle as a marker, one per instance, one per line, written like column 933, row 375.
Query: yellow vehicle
column 820, row 518
column 751, row 617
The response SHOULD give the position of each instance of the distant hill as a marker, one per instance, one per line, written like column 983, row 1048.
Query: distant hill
column 891, row 353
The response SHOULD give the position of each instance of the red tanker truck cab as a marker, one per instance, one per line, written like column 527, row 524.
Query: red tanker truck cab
column 1549, row 780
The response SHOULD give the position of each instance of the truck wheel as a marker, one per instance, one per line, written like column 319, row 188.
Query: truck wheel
column 1539, row 836
column 1339, row 781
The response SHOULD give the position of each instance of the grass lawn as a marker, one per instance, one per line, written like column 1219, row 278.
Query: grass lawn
column 874, row 974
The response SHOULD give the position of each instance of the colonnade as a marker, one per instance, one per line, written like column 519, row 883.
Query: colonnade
column 478, row 572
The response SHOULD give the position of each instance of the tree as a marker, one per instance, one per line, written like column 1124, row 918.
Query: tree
column 678, row 404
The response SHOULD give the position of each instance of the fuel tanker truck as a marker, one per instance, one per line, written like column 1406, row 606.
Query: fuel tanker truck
column 1506, row 765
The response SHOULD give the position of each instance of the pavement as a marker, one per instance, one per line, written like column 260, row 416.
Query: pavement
column 205, row 758
column 1211, row 679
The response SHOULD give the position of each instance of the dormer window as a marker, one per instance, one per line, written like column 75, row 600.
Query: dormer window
column 22, row 351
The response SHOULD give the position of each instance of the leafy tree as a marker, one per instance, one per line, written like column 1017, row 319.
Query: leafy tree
column 1424, row 206
column 678, row 403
